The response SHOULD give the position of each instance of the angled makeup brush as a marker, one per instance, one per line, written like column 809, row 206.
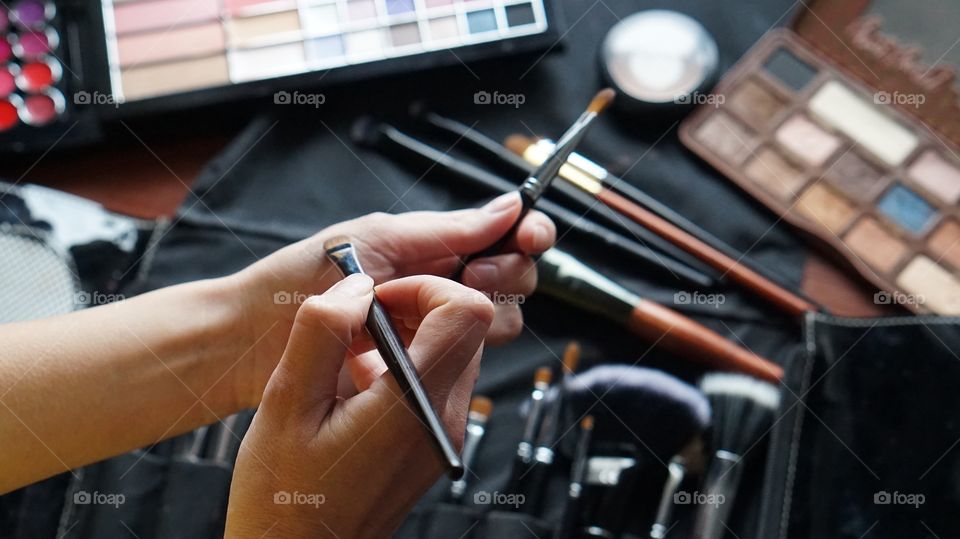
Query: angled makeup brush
column 381, row 328
column 413, row 152
column 537, row 183
column 743, row 412
column 566, row 278
column 774, row 293
column 640, row 413
column 480, row 409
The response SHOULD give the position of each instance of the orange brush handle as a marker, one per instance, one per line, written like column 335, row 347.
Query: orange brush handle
column 741, row 274
column 682, row 335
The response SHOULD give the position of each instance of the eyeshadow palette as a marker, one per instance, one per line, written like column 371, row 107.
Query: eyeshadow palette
column 832, row 156
column 162, row 47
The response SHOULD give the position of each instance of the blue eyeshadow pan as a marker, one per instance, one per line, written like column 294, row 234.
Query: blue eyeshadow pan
column 481, row 21
column 907, row 209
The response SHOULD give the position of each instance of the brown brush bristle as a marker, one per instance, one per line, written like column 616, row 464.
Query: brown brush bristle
column 335, row 242
column 480, row 408
column 602, row 100
column 571, row 357
column 587, row 423
column 518, row 144
column 543, row 376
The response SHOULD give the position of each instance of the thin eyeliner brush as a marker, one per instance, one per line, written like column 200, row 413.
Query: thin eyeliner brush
column 512, row 163
column 537, row 182
column 395, row 143
column 381, row 328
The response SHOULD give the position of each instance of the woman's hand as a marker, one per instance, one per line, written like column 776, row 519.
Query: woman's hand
column 389, row 246
column 316, row 465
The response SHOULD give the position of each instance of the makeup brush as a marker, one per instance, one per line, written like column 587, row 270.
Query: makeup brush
column 541, row 383
column 688, row 461
column 785, row 300
column 646, row 410
column 566, row 278
column 743, row 412
column 578, row 473
column 399, row 145
column 584, row 203
column 535, row 477
column 537, row 183
column 381, row 328
column 480, row 409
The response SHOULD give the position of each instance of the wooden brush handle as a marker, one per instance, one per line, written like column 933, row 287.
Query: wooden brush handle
column 682, row 335
column 738, row 272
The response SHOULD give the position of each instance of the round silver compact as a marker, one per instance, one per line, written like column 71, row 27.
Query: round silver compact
column 659, row 61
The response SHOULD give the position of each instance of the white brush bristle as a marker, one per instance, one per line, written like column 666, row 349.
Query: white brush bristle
column 743, row 410
column 763, row 393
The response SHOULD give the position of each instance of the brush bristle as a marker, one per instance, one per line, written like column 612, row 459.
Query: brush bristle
column 586, row 424
column 480, row 408
column 743, row 410
column 335, row 243
column 571, row 357
column 602, row 100
column 543, row 376
column 365, row 131
column 518, row 144
column 642, row 407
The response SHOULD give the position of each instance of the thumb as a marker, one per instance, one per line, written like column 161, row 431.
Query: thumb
column 305, row 381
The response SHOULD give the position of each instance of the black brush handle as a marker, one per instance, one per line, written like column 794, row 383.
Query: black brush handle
column 527, row 202
column 398, row 361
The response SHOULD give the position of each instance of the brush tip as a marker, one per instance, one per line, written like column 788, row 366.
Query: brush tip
column 518, row 143
column 587, row 423
column 365, row 131
column 335, row 243
column 543, row 376
column 480, row 407
column 602, row 100
column 571, row 357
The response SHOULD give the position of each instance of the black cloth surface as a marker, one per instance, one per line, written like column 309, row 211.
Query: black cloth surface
column 294, row 171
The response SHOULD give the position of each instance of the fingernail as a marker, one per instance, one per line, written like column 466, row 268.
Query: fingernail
column 356, row 285
column 541, row 238
column 483, row 274
column 502, row 203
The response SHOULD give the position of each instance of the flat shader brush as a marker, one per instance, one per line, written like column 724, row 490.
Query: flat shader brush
column 381, row 328
column 787, row 301
column 399, row 145
column 537, row 183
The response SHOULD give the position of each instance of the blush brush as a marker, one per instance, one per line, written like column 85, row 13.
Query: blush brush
column 540, row 179
column 387, row 339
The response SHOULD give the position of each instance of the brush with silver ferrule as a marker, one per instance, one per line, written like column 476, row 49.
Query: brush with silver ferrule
column 381, row 328
column 480, row 408
column 537, row 183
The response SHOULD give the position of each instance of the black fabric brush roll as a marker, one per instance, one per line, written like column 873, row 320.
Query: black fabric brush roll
column 869, row 446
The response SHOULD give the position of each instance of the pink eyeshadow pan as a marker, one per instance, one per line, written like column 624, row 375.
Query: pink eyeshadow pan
column 807, row 140
column 934, row 173
column 163, row 14
column 177, row 43
column 875, row 245
column 945, row 243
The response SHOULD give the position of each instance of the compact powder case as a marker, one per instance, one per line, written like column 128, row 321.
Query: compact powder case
column 659, row 61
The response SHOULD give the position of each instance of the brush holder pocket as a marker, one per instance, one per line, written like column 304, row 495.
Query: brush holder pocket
column 867, row 440
column 148, row 496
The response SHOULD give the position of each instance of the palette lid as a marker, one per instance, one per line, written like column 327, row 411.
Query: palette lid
column 906, row 51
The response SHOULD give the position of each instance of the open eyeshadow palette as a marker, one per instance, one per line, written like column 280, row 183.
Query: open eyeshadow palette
column 845, row 161
column 121, row 57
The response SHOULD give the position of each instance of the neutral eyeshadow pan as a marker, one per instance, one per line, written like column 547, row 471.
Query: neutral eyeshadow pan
column 937, row 176
column 755, row 104
column 175, row 43
column 875, row 245
column 807, row 140
column 160, row 79
column 775, row 174
column 726, row 136
column 826, row 208
column 937, row 288
column 945, row 243
column 854, row 175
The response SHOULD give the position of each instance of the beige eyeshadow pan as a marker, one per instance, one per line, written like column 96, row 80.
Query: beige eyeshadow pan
column 934, row 286
column 755, row 104
column 945, row 243
column 807, row 140
column 875, row 245
column 826, row 207
column 726, row 136
column 770, row 170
